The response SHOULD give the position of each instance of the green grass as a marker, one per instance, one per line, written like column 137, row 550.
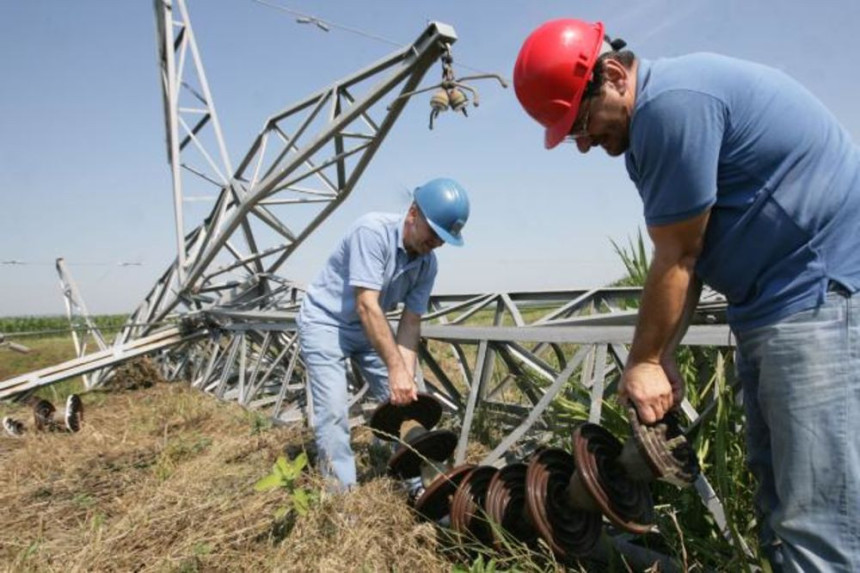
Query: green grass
column 43, row 352
column 49, row 342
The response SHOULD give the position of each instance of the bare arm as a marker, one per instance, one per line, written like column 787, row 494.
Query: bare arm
column 667, row 304
column 670, row 366
column 408, row 335
column 378, row 330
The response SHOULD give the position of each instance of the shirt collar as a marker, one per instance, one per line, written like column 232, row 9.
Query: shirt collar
column 398, row 232
column 643, row 75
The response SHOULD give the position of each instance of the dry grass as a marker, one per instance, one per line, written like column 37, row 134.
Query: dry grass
column 161, row 479
column 369, row 530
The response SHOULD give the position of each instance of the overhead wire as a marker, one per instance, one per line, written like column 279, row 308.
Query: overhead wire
column 310, row 18
column 16, row 262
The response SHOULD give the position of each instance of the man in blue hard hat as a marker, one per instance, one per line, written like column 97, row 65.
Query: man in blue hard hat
column 384, row 260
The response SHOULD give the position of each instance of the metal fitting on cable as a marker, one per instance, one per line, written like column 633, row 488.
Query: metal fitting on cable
column 451, row 92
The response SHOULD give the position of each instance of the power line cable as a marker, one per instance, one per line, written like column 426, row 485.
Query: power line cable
column 304, row 18
column 309, row 18
column 16, row 262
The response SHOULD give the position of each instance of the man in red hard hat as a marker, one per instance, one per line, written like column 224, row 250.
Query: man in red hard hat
column 749, row 185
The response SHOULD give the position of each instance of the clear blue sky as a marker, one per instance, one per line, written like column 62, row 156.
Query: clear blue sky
column 84, row 175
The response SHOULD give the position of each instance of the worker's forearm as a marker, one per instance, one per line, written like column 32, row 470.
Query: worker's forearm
column 409, row 358
column 663, row 308
column 408, row 335
column 694, row 290
column 378, row 331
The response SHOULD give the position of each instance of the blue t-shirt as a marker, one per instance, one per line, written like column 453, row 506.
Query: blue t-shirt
column 372, row 256
column 780, row 175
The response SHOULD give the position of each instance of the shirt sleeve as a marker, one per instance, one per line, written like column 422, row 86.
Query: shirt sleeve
column 675, row 146
column 368, row 253
column 418, row 297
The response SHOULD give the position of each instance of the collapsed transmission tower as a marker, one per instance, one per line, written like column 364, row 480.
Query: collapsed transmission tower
column 222, row 317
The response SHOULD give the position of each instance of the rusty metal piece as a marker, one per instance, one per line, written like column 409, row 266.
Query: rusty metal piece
column 569, row 531
column 387, row 419
column 433, row 446
column 505, row 505
column 468, row 517
column 664, row 448
column 435, row 502
column 626, row 502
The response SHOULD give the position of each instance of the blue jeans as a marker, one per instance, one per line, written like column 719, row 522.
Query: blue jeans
column 801, row 382
column 326, row 351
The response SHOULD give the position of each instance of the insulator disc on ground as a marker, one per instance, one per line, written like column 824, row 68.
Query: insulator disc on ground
column 435, row 502
column 468, row 517
column 625, row 502
column 568, row 531
column 435, row 445
column 506, row 505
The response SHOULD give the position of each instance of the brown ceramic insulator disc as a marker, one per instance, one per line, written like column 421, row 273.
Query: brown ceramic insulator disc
column 435, row 502
column 435, row 445
column 387, row 418
column 627, row 503
column 467, row 506
column 569, row 532
column 669, row 455
column 506, row 504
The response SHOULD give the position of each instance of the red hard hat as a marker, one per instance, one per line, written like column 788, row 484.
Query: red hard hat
column 553, row 67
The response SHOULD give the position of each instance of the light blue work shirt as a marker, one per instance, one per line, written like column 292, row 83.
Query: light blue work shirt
column 780, row 175
column 371, row 255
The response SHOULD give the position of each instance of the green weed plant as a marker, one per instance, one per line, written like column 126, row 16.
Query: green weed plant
column 285, row 475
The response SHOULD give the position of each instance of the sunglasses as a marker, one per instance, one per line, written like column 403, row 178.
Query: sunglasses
column 580, row 127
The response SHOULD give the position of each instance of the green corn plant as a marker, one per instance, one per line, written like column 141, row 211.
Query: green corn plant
column 285, row 474
column 635, row 261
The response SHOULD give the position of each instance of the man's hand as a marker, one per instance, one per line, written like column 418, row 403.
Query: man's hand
column 403, row 388
column 648, row 388
column 670, row 368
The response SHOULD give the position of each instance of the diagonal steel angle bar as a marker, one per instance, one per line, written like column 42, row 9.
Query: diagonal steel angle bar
column 460, row 452
column 538, row 410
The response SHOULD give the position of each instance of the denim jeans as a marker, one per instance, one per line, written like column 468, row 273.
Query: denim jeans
column 801, row 382
column 326, row 351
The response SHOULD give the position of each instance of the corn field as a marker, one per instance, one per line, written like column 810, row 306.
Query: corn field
column 51, row 326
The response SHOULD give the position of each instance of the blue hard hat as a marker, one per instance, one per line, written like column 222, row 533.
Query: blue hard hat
column 445, row 205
